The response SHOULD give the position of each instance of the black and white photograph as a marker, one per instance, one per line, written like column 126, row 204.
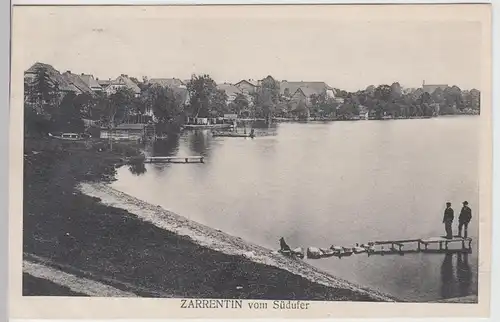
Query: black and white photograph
column 254, row 157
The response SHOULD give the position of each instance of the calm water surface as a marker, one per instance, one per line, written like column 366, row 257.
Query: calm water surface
column 319, row 184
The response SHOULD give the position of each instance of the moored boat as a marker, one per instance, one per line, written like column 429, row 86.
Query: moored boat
column 70, row 136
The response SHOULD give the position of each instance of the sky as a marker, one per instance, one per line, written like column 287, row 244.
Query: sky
column 345, row 47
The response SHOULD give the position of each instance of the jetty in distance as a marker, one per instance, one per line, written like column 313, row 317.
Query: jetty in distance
column 175, row 159
column 388, row 247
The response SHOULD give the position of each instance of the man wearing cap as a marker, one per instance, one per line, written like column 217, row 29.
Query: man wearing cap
column 448, row 219
column 464, row 219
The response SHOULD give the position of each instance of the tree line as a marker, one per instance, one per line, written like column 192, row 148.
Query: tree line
column 47, row 108
column 395, row 101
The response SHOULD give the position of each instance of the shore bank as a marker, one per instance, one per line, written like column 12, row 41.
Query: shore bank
column 108, row 241
column 217, row 240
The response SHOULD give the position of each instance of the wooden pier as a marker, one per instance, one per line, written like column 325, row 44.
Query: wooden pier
column 188, row 159
column 420, row 245
column 424, row 243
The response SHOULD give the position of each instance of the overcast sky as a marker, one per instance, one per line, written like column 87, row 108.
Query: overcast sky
column 348, row 50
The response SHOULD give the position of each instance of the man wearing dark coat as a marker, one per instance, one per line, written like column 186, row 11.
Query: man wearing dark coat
column 464, row 219
column 448, row 220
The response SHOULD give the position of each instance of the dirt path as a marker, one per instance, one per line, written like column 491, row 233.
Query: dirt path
column 74, row 283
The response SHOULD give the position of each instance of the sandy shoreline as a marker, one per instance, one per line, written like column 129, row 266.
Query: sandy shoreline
column 218, row 240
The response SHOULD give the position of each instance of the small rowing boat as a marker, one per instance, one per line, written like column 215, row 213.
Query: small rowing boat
column 70, row 136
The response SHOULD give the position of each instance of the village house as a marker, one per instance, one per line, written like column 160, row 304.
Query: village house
column 430, row 88
column 122, row 81
column 231, row 91
column 91, row 82
column 104, row 83
column 54, row 76
column 300, row 93
column 166, row 82
column 125, row 131
column 77, row 82
column 247, row 86
column 288, row 89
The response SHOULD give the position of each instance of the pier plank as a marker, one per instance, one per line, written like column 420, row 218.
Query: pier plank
column 176, row 159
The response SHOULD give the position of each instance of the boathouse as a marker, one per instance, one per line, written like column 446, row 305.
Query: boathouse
column 128, row 132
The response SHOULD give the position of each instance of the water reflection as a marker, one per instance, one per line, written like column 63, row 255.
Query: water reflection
column 165, row 147
column 464, row 274
column 447, row 276
column 462, row 279
column 199, row 142
column 137, row 168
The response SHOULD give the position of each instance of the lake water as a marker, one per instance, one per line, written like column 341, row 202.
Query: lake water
column 340, row 183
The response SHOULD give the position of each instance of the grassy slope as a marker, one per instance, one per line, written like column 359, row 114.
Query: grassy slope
column 73, row 229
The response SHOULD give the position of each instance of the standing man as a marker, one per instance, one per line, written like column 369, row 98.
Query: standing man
column 464, row 219
column 448, row 220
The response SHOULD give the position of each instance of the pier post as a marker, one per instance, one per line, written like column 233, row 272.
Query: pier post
column 186, row 160
column 463, row 244
column 446, row 245
column 418, row 247
column 201, row 160
column 440, row 245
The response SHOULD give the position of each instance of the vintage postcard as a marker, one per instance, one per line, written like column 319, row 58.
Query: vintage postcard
column 250, row 161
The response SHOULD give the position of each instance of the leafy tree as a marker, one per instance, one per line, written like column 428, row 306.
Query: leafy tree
column 84, row 103
column 45, row 91
column 370, row 90
column 35, row 124
column 162, row 101
column 472, row 99
column 67, row 118
column 202, row 91
column 301, row 111
column 239, row 104
column 218, row 103
column 396, row 91
column 382, row 98
column 453, row 97
column 383, row 93
column 322, row 105
column 438, row 96
column 266, row 97
column 120, row 105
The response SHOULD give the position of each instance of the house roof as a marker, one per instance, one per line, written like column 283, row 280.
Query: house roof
column 431, row 88
column 248, row 81
column 166, row 82
column 54, row 75
column 230, row 89
column 308, row 92
column 104, row 82
column 77, row 82
column 90, row 81
column 124, row 80
column 317, row 87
